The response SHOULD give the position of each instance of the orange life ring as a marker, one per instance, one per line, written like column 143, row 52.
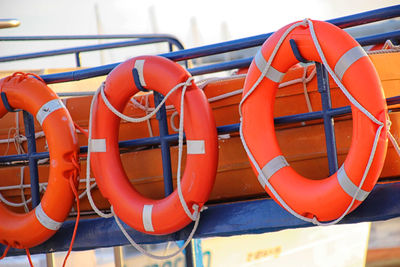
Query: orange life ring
column 31, row 94
column 143, row 214
column 329, row 198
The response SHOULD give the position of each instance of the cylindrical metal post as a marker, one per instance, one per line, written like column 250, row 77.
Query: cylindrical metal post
column 323, row 88
column 118, row 256
column 189, row 257
column 50, row 260
column 78, row 59
column 165, row 151
column 33, row 168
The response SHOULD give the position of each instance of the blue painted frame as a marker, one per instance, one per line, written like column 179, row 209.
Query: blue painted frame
column 247, row 217
column 140, row 39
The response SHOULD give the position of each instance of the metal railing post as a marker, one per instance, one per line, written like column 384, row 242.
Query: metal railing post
column 164, row 143
column 33, row 167
column 78, row 59
column 324, row 90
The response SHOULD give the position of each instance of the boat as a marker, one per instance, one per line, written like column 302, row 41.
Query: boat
column 300, row 131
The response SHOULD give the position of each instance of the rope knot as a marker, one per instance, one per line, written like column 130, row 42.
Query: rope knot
column 305, row 22
column 189, row 81
column 315, row 221
column 195, row 214
column 19, row 138
column 42, row 187
column 388, row 125
column 22, row 76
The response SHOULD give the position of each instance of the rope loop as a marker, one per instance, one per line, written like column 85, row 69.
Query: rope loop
column 196, row 213
column 88, row 186
column 24, row 75
column 193, row 216
column 145, row 252
column 388, row 124
column 392, row 138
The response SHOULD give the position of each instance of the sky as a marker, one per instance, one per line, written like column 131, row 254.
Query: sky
column 213, row 21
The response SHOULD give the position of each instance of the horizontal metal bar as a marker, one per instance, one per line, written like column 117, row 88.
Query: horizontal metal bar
column 367, row 17
column 312, row 115
column 82, row 93
column 378, row 38
column 155, row 140
column 88, row 48
column 24, row 157
column 78, row 75
column 239, row 63
column 393, row 100
column 229, row 219
column 229, row 65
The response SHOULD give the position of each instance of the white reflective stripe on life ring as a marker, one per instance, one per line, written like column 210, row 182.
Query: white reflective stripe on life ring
column 45, row 220
column 48, row 108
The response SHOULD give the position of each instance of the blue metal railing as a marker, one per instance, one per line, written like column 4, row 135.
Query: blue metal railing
column 330, row 140
column 164, row 139
column 142, row 39
column 198, row 52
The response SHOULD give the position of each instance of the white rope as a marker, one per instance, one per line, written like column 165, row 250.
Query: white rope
column 184, row 86
column 392, row 139
column 88, row 187
column 348, row 95
column 196, row 214
column 307, row 97
column 146, row 109
column 42, row 187
column 180, row 148
column 210, row 100
column 226, row 95
column 388, row 47
column 21, row 186
column 21, row 174
column 148, row 121
column 19, row 137
column 84, row 192
column 203, row 83
column 304, row 80
column 145, row 252
column 13, row 187
column 337, row 80
column 172, row 122
column 267, row 66
column 13, row 204
column 141, row 119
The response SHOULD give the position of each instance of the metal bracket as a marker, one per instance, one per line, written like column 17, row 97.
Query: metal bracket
column 296, row 51
column 136, row 79
column 7, row 104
